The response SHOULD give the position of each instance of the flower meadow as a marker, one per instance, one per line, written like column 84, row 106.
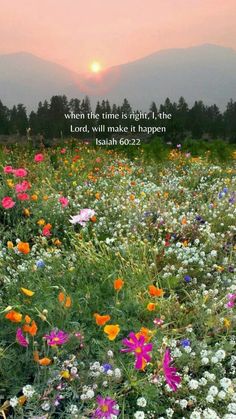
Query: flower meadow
column 117, row 285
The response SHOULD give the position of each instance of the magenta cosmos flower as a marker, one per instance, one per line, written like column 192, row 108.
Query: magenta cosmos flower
column 7, row 202
column 139, row 348
column 231, row 300
column 83, row 217
column 56, row 337
column 21, row 339
column 106, row 408
column 171, row 377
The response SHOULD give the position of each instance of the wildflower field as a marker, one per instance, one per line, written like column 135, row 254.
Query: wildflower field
column 117, row 285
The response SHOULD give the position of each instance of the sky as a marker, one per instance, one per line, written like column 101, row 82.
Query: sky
column 75, row 33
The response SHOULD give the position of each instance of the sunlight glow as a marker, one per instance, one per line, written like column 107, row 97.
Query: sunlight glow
column 95, row 67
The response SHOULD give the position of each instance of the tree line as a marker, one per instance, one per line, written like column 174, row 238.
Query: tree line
column 197, row 122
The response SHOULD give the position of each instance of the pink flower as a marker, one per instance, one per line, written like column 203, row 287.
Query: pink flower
column 171, row 377
column 38, row 158
column 56, row 337
column 139, row 348
column 21, row 339
column 7, row 202
column 8, row 169
column 20, row 172
column 106, row 408
column 64, row 201
column 158, row 322
column 231, row 300
column 83, row 217
column 63, row 151
column 23, row 196
column 22, row 187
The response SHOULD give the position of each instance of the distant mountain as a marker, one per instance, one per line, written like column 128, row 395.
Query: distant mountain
column 206, row 72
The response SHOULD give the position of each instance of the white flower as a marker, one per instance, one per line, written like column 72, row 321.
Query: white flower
column 73, row 409
column 13, row 401
column 232, row 407
column 221, row 394
column 28, row 391
column 205, row 360
column 183, row 403
column 213, row 390
column 193, row 384
column 225, row 382
column 110, row 354
column 90, row 394
column 220, row 354
column 46, row 406
column 209, row 399
column 169, row 412
column 210, row 414
column 195, row 415
column 117, row 373
column 141, row 402
column 139, row 415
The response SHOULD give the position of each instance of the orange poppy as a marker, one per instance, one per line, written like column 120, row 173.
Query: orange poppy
column 151, row 306
column 118, row 284
column 101, row 320
column 65, row 300
column 14, row 316
column 112, row 331
column 93, row 219
column 144, row 331
column 31, row 329
column 43, row 361
column 155, row 292
column 23, row 247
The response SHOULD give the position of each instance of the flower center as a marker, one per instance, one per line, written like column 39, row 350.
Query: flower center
column 138, row 350
column 104, row 408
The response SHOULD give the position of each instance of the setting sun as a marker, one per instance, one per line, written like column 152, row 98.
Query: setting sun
column 95, row 67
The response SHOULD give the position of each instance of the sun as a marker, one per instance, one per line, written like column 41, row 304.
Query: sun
column 95, row 67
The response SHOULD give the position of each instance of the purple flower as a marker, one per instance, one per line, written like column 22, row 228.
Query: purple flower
column 56, row 337
column 106, row 408
column 187, row 278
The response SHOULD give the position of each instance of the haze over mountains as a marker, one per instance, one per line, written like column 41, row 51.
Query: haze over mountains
column 206, row 72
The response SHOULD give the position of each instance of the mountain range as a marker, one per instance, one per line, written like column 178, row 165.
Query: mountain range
column 206, row 72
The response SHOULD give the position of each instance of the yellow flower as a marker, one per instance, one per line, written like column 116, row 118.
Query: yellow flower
column 227, row 323
column 112, row 331
column 65, row 374
column 26, row 212
column 10, row 245
column 27, row 292
column 41, row 222
column 10, row 183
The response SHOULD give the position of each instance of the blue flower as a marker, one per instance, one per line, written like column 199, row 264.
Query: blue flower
column 107, row 367
column 40, row 263
column 187, row 278
column 185, row 343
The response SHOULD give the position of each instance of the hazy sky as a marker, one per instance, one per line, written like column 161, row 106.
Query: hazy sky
column 77, row 32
